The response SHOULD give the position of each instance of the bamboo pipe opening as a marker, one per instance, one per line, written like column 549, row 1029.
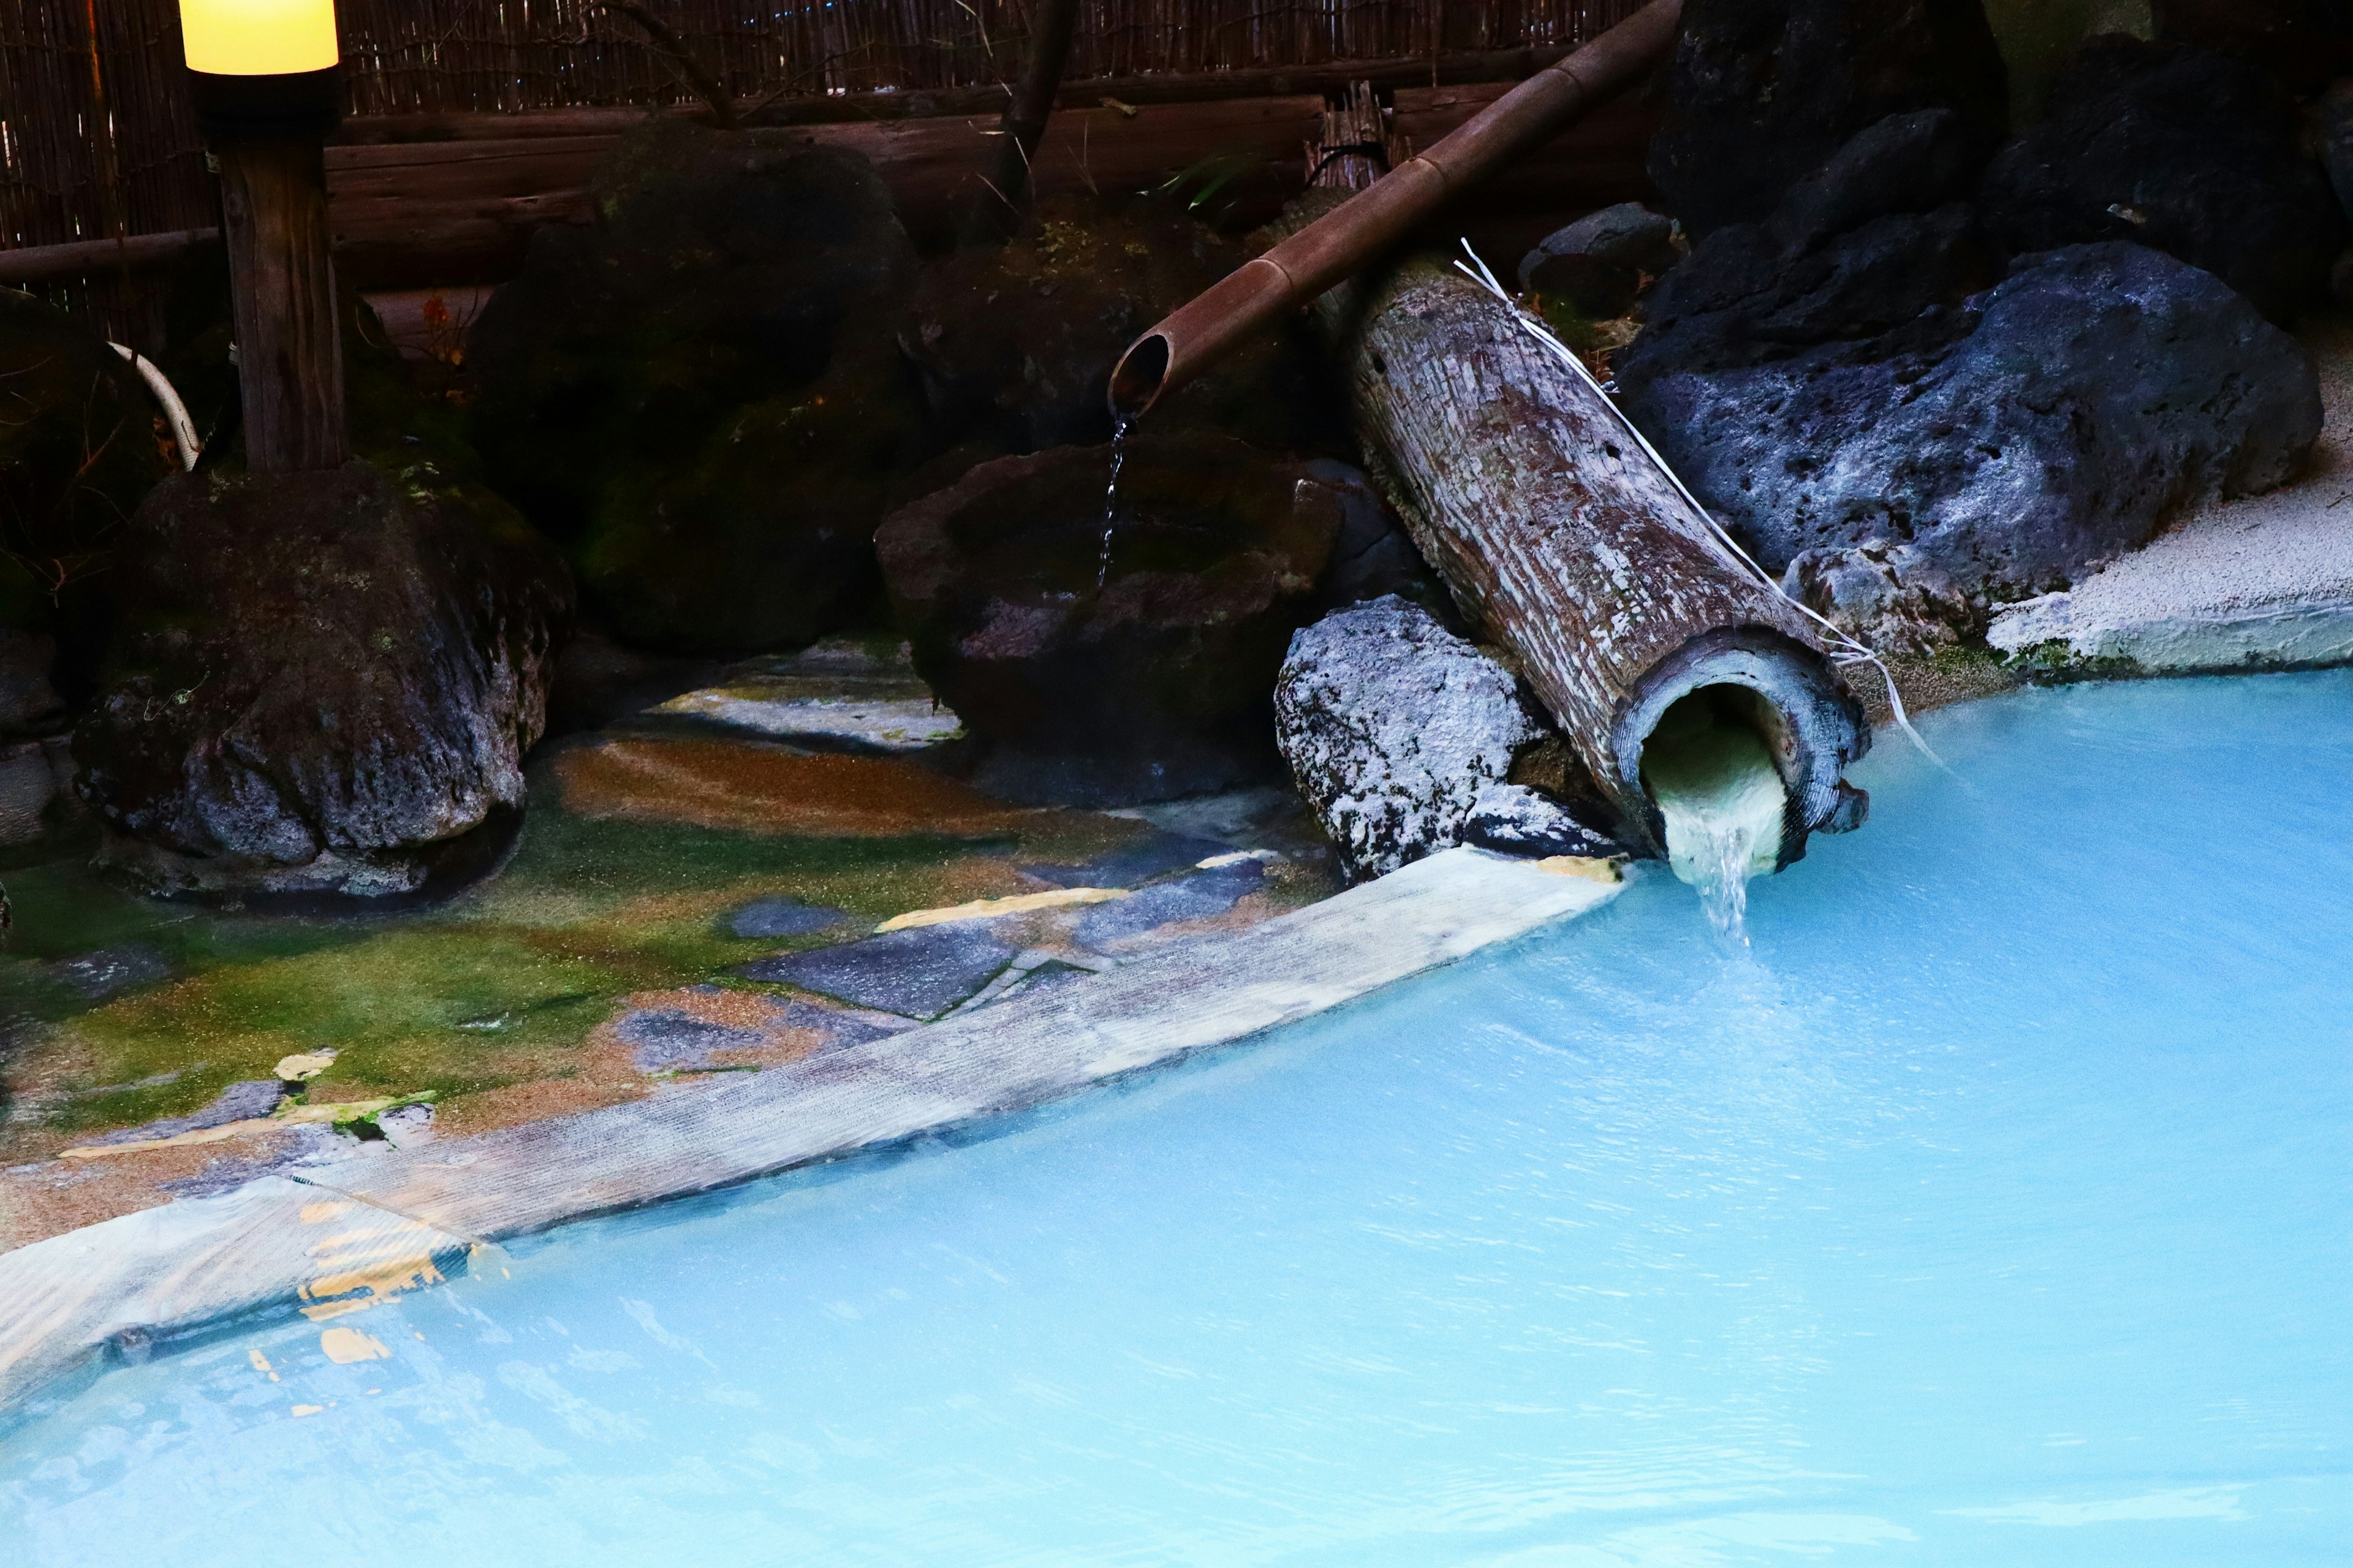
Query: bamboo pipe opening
column 1137, row 378
column 1764, row 680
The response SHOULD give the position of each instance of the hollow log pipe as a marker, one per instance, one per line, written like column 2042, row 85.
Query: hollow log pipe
column 1311, row 261
column 1564, row 541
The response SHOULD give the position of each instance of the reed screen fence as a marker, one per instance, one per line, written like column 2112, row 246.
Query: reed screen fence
column 98, row 138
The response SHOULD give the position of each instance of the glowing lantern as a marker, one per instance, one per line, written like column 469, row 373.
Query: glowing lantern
column 260, row 38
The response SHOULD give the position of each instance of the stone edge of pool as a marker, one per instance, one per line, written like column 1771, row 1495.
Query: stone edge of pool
column 340, row 1237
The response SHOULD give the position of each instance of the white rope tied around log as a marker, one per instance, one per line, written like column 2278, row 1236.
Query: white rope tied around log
column 1846, row 651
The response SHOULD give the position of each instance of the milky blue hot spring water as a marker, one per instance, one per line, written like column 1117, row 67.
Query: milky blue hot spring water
column 1994, row 1208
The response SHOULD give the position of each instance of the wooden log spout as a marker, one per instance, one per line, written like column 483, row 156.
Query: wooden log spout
column 1573, row 548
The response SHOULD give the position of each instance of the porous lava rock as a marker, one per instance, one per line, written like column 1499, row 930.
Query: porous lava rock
column 2183, row 150
column 1159, row 682
column 1761, row 92
column 1907, row 481
column 1013, row 345
column 1869, row 242
column 322, row 683
column 1597, row 263
column 1402, row 737
column 700, row 392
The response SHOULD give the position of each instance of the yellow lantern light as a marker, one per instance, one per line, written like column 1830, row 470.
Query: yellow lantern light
column 260, row 38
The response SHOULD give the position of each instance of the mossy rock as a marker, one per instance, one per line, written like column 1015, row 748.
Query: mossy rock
column 719, row 272
column 1014, row 344
column 323, row 683
column 764, row 537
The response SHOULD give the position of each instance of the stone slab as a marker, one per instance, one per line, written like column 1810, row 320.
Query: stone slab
column 919, row 973
column 387, row 1220
column 838, row 692
column 1202, row 896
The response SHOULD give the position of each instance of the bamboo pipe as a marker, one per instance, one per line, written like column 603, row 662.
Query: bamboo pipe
column 1302, row 266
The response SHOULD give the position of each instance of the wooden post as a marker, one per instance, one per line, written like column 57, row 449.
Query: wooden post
column 268, row 135
column 290, row 344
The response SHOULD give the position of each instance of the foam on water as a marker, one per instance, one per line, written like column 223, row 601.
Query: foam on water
column 1723, row 801
column 1991, row 1210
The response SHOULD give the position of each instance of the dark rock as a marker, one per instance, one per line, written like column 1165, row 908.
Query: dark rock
column 1597, row 263
column 1204, row 895
column 2336, row 142
column 1013, row 345
column 2181, row 150
column 1396, row 730
column 95, row 976
column 702, row 389
column 246, row 1102
column 782, row 917
column 918, row 973
column 1133, row 864
column 1517, row 820
column 1762, row 92
column 1374, row 555
column 1868, row 242
column 36, row 791
column 1742, row 300
column 1912, row 163
column 1155, row 685
column 2067, row 414
column 29, row 704
column 2303, row 43
column 325, row 682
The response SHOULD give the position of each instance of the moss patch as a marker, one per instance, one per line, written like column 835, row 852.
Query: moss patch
column 497, row 996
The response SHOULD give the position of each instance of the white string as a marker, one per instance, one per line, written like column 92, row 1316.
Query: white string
column 1846, row 649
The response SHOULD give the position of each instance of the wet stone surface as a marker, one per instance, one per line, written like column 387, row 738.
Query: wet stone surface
column 918, row 973
column 1203, row 896
column 1135, row 864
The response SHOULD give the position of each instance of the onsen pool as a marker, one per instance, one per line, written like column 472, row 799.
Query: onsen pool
column 1996, row 1207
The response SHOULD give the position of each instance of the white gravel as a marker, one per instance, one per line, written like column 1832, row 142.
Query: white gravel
column 2263, row 582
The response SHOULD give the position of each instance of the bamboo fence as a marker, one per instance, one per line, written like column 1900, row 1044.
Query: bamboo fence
column 97, row 139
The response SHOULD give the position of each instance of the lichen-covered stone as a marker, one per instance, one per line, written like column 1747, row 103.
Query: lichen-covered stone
column 1517, row 820
column 1397, row 733
column 322, row 683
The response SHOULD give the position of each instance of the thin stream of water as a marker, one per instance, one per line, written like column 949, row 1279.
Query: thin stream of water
column 1723, row 801
column 1111, row 500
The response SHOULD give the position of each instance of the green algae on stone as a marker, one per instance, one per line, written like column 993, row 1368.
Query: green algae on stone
column 504, row 986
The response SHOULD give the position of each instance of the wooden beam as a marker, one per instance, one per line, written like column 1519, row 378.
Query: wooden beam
column 1498, row 66
column 461, row 208
column 83, row 257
